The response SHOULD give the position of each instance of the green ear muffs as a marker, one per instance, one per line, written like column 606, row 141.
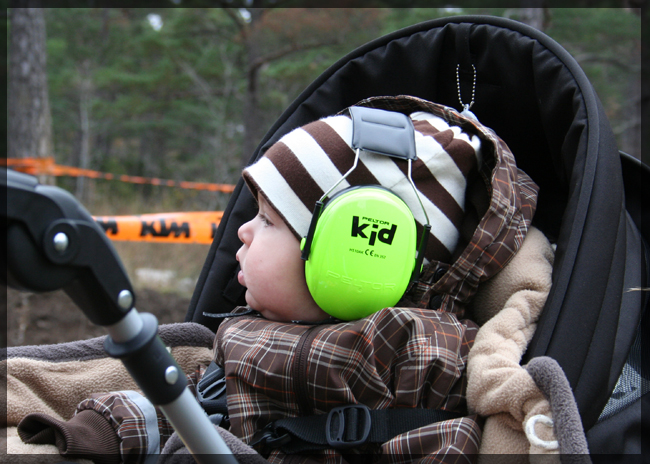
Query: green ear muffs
column 363, row 252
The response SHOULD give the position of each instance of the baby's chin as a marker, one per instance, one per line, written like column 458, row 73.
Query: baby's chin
column 287, row 314
column 270, row 315
column 253, row 303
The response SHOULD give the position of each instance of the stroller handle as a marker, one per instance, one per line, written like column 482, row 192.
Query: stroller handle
column 54, row 243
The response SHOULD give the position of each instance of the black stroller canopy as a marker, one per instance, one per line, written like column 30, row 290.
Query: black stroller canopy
column 537, row 98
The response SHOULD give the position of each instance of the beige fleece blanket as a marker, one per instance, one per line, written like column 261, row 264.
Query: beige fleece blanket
column 54, row 379
column 499, row 388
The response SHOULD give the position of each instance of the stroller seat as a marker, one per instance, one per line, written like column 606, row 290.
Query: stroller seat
column 534, row 94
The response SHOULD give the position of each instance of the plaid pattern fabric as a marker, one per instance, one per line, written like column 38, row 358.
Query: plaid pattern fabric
column 502, row 227
column 395, row 358
column 455, row 441
column 129, row 420
column 141, row 427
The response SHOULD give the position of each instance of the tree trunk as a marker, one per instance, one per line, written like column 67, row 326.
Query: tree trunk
column 645, row 87
column 252, row 119
column 30, row 121
column 85, row 93
column 536, row 16
column 632, row 133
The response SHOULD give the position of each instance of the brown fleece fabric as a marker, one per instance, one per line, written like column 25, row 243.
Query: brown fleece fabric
column 38, row 382
column 54, row 379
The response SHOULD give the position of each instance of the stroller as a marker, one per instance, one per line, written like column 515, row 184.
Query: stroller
column 591, row 205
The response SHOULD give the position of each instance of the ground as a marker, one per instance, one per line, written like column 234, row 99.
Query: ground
column 46, row 318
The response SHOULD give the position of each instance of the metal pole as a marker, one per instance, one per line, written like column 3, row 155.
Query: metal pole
column 130, row 339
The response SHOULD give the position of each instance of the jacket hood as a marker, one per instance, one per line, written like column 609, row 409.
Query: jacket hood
column 500, row 205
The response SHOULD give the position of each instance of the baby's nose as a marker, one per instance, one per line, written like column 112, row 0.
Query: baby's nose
column 243, row 233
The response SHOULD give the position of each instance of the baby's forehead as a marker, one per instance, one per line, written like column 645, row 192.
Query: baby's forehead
column 264, row 206
column 263, row 203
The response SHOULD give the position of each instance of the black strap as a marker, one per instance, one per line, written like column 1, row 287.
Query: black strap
column 345, row 427
column 231, row 314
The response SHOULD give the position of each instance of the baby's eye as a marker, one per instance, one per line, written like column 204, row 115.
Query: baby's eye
column 265, row 220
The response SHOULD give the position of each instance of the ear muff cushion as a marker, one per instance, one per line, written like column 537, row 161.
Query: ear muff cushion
column 362, row 254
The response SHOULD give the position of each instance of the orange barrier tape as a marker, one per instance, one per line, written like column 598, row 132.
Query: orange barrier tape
column 47, row 166
column 193, row 227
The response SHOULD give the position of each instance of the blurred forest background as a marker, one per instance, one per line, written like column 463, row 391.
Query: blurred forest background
column 187, row 93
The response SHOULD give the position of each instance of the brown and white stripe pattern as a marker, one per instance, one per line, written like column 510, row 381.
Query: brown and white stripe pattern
column 304, row 164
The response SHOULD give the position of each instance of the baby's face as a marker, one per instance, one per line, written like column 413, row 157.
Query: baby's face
column 272, row 270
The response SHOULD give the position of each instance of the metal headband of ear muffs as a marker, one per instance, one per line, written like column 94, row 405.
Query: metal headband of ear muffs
column 386, row 133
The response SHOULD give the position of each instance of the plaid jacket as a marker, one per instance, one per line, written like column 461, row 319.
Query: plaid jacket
column 395, row 358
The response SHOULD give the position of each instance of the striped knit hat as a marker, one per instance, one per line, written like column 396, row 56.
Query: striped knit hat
column 298, row 169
